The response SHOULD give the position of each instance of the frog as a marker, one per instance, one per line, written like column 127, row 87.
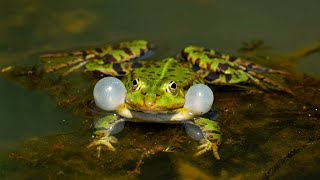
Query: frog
column 172, row 90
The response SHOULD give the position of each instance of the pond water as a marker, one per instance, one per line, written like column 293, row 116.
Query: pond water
column 46, row 123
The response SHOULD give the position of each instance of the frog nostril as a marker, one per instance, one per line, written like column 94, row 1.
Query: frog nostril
column 158, row 95
column 143, row 93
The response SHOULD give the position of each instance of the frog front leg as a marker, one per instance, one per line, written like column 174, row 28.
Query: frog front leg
column 104, row 128
column 207, row 132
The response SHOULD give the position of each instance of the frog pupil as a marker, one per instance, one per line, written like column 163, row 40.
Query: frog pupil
column 173, row 85
column 134, row 82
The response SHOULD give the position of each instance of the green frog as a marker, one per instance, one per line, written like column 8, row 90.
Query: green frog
column 171, row 90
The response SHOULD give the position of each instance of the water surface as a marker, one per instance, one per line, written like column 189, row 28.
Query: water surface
column 265, row 135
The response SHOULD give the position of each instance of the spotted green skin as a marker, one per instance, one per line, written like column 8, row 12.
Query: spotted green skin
column 154, row 79
column 156, row 88
column 153, row 93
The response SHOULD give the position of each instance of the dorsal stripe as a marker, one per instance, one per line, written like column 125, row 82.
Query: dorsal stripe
column 165, row 68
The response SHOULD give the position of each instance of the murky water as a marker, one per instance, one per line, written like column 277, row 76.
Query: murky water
column 45, row 124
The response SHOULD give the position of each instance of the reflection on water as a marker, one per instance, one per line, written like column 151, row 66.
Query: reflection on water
column 27, row 114
column 265, row 135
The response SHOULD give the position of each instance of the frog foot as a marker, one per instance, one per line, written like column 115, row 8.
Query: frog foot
column 103, row 142
column 207, row 146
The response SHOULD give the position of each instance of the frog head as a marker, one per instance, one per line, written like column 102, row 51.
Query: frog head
column 163, row 96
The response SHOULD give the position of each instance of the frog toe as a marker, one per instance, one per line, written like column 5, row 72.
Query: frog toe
column 207, row 146
column 215, row 151
column 103, row 142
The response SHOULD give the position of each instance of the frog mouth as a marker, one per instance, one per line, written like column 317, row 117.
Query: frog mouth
column 153, row 109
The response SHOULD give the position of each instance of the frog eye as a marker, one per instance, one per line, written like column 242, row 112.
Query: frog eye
column 172, row 87
column 136, row 84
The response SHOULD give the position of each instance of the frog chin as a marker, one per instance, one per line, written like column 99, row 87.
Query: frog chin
column 154, row 112
column 151, row 111
column 181, row 114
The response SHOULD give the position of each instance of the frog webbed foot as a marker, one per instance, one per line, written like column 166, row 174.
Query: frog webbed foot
column 105, row 141
column 207, row 145
column 207, row 132
column 104, row 129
